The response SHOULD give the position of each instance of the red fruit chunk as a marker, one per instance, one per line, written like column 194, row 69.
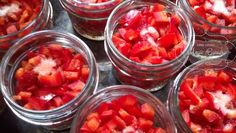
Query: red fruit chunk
column 107, row 118
column 207, row 101
column 211, row 116
column 16, row 14
column 147, row 111
column 44, row 82
column 149, row 35
column 93, row 124
column 188, row 91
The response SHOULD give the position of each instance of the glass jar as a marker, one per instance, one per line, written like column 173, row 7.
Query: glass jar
column 60, row 117
column 43, row 20
column 162, row 118
column 151, row 77
column 212, row 40
column 195, row 69
column 89, row 19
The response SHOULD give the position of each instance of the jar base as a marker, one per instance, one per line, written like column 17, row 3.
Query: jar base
column 150, row 86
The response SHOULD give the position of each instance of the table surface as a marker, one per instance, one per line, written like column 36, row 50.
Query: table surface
column 11, row 124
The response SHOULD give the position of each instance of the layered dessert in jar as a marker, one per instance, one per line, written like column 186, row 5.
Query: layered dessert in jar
column 89, row 17
column 148, row 43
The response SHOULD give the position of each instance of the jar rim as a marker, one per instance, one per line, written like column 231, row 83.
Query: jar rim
column 187, row 4
column 116, row 88
column 189, row 42
column 44, row 4
column 173, row 93
column 91, row 4
column 17, row 45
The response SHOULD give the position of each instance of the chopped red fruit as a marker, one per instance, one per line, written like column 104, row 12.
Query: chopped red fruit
column 16, row 14
column 207, row 101
column 149, row 35
column 45, row 81
column 107, row 119
column 220, row 12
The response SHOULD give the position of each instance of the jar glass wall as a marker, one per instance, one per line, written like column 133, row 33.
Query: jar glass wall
column 89, row 19
column 56, row 118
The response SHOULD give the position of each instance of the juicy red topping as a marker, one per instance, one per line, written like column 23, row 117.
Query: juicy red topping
column 50, row 77
column 220, row 12
column 208, row 102
column 124, row 114
column 16, row 14
column 149, row 35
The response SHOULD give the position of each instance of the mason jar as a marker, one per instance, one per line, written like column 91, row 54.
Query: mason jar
column 161, row 119
column 197, row 69
column 213, row 38
column 56, row 118
column 148, row 76
column 43, row 20
column 88, row 18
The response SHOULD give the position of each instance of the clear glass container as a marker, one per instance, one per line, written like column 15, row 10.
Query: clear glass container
column 89, row 19
column 194, row 69
column 212, row 40
column 42, row 21
column 162, row 118
column 60, row 117
column 151, row 77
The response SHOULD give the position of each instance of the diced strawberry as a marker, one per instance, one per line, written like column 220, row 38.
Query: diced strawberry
column 93, row 124
column 156, row 7
column 190, row 93
column 147, row 111
column 207, row 82
column 211, row 116
column 120, row 123
column 71, row 75
column 58, row 101
column 77, row 85
column 161, row 17
column 224, row 77
column 11, row 29
column 186, row 117
column 128, row 34
column 127, row 100
column 107, row 114
column 103, row 107
column 93, row 115
column 85, row 73
column 145, row 124
column 168, row 41
column 200, row 11
column 52, row 80
column 132, row 18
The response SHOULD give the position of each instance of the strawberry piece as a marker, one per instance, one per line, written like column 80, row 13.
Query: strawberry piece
column 190, row 93
column 77, row 85
column 211, row 116
column 168, row 41
column 93, row 124
column 52, row 80
column 147, row 111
